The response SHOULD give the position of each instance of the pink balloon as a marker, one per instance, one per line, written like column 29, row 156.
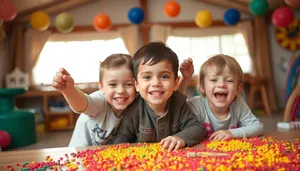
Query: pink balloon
column 282, row 17
column 8, row 10
column 293, row 3
column 4, row 139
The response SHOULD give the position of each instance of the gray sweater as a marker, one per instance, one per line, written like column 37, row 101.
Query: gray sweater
column 240, row 120
column 140, row 124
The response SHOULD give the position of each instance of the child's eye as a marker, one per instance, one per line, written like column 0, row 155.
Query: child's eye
column 129, row 84
column 146, row 77
column 165, row 77
column 112, row 85
column 213, row 80
column 230, row 81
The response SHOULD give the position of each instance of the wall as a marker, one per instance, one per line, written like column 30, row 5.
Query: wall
column 3, row 63
column 117, row 10
column 278, row 55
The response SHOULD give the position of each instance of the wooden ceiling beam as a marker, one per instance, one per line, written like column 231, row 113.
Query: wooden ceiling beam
column 242, row 7
column 53, row 8
column 40, row 7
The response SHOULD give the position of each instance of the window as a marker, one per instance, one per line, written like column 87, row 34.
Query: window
column 81, row 58
column 200, row 48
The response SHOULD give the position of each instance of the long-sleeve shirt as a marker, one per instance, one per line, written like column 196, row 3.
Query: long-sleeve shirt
column 240, row 120
column 140, row 124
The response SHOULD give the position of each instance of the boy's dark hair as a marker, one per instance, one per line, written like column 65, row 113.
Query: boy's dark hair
column 115, row 61
column 155, row 52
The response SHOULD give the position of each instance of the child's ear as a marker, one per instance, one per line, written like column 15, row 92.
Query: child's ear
column 176, row 83
column 201, row 88
column 100, row 86
column 136, row 85
column 240, row 88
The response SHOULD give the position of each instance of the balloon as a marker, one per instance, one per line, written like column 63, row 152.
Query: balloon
column 293, row 3
column 258, row 7
column 40, row 20
column 102, row 22
column 203, row 18
column 282, row 17
column 8, row 10
column 64, row 23
column 172, row 9
column 232, row 16
column 4, row 139
column 136, row 15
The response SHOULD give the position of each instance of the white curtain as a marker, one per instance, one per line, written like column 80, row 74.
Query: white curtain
column 129, row 34
column 34, row 43
column 246, row 28
column 160, row 33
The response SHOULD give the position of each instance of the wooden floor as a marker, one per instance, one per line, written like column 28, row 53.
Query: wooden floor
column 61, row 139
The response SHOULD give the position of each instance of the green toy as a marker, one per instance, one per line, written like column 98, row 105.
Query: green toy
column 19, row 124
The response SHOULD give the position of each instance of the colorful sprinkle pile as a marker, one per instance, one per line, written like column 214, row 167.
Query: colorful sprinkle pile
column 243, row 154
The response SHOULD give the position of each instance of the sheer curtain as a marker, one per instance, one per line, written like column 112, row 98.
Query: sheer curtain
column 34, row 43
column 246, row 28
column 129, row 35
column 160, row 33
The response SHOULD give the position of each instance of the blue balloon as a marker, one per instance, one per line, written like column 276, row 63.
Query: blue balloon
column 232, row 16
column 136, row 15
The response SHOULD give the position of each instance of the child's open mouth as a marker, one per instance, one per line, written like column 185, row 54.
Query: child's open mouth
column 220, row 95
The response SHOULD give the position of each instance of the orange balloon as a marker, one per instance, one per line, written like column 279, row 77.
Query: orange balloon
column 172, row 9
column 102, row 22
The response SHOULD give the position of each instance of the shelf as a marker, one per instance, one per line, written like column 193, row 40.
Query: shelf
column 51, row 116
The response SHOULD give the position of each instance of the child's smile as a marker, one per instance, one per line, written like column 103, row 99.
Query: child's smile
column 221, row 96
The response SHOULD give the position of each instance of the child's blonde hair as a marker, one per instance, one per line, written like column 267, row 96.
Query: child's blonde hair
column 220, row 61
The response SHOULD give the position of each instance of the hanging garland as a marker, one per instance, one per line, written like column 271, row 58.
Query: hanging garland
column 289, row 37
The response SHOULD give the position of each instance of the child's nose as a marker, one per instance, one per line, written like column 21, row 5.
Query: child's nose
column 221, row 83
column 156, row 82
column 120, row 89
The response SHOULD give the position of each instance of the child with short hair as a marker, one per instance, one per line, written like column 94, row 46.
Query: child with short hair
column 159, row 113
column 102, row 109
column 222, row 111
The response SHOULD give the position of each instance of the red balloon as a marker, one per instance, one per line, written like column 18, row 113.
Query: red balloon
column 282, row 17
column 4, row 139
column 8, row 10
column 172, row 9
column 293, row 3
column 102, row 22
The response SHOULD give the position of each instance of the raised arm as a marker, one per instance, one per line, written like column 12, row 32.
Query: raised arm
column 64, row 83
column 187, row 70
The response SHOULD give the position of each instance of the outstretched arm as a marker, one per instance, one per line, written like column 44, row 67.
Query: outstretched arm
column 187, row 70
column 64, row 83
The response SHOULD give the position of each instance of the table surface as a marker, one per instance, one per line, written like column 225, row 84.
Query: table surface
column 21, row 156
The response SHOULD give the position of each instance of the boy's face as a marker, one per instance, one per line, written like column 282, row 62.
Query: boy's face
column 156, row 84
column 220, row 89
column 118, row 88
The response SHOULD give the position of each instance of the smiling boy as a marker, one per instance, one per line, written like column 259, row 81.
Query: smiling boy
column 159, row 113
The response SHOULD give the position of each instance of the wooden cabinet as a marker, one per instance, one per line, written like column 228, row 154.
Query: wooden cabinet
column 54, row 120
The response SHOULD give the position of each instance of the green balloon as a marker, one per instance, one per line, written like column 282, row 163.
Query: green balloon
column 64, row 22
column 258, row 7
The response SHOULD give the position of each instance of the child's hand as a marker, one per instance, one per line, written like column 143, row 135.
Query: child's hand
column 173, row 142
column 187, row 68
column 62, row 81
column 221, row 135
